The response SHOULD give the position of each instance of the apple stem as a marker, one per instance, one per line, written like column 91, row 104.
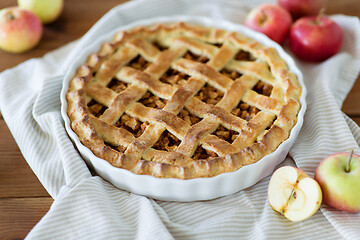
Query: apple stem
column 10, row 16
column 319, row 16
column 349, row 162
column 263, row 17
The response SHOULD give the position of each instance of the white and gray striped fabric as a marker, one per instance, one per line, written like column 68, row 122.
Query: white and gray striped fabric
column 87, row 207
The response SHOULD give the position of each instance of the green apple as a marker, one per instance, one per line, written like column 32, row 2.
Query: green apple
column 20, row 30
column 294, row 194
column 47, row 10
column 339, row 178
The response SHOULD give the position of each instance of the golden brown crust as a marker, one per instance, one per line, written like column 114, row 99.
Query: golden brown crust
column 163, row 47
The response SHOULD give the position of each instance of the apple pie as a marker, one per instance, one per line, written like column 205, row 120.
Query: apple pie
column 183, row 101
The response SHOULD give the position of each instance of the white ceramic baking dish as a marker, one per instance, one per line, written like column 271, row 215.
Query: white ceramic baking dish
column 192, row 189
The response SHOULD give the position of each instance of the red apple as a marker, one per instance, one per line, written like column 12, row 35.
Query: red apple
column 20, row 30
column 272, row 20
column 300, row 8
column 314, row 38
column 339, row 179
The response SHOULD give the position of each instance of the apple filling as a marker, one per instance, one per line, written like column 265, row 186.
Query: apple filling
column 174, row 77
column 263, row 88
column 245, row 111
column 159, row 46
column 209, row 94
column 132, row 125
column 231, row 74
column 167, row 142
column 202, row 153
column 244, row 56
column 188, row 117
column 152, row 101
column 117, row 86
column 198, row 58
column 98, row 109
column 139, row 63
column 226, row 134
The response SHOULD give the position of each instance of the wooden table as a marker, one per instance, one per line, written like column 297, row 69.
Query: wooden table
column 23, row 200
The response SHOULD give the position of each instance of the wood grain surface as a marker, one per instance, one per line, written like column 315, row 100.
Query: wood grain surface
column 23, row 200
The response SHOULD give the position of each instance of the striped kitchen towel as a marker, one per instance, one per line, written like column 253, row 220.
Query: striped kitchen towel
column 87, row 207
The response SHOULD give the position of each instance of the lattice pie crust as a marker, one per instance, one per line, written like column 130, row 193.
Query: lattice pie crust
column 183, row 101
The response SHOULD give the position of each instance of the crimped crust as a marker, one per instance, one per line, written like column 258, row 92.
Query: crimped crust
column 164, row 47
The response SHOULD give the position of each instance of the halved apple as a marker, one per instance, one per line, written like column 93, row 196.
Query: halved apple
column 294, row 194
